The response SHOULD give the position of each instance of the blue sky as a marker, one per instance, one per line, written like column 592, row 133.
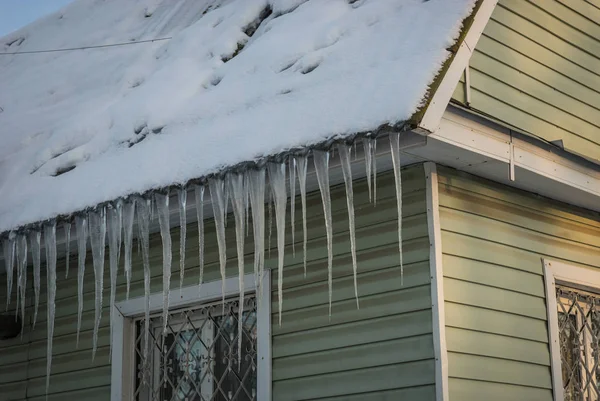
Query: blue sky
column 17, row 13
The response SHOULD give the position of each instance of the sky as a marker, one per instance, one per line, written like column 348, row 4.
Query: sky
column 15, row 14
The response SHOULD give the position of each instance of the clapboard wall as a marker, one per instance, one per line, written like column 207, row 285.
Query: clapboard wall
column 384, row 350
column 537, row 68
column 493, row 239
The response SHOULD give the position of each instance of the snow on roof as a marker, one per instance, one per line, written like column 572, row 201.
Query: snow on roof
column 239, row 80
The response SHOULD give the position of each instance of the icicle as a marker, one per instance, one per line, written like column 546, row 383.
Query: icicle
column 347, row 171
column 35, row 238
column 162, row 205
column 292, row 162
column 395, row 148
column 81, row 225
column 22, row 275
column 216, row 187
column 270, row 222
column 368, row 151
column 322, row 170
column 374, row 160
column 50, row 243
column 97, row 223
column 67, row 228
column 144, row 207
column 256, row 180
column 114, row 246
column 199, row 193
column 128, row 218
column 182, row 200
column 238, row 197
column 9, row 262
column 302, row 167
column 278, row 187
column 247, row 203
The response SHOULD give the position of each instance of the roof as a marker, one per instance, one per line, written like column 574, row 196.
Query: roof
column 194, row 86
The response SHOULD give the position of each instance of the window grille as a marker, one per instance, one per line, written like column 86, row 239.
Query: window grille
column 579, row 337
column 197, row 358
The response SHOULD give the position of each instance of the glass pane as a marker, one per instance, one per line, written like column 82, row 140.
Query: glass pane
column 198, row 358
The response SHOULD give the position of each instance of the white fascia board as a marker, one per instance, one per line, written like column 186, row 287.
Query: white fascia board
column 435, row 110
column 477, row 146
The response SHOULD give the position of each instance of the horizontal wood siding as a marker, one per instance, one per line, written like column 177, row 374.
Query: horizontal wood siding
column 493, row 239
column 382, row 351
column 536, row 68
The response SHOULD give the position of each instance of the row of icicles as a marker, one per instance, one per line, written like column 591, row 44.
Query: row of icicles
column 246, row 191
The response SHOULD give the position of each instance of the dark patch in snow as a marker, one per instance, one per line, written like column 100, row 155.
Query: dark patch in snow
column 16, row 41
column 216, row 81
column 147, row 14
column 309, row 68
column 285, row 91
column 250, row 30
column 253, row 26
column 141, row 132
column 62, row 170
column 288, row 66
column 137, row 83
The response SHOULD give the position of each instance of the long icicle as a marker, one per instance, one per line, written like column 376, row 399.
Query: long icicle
column 257, row 201
column 278, row 188
column 9, row 262
column 238, row 197
column 50, row 243
column 374, row 161
column 344, row 151
column 162, row 206
column 97, row 223
column 322, row 169
column 368, row 152
column 22, row 273
column 199, row 194
column 216, row 187
column 144, row 207
column 292, row 168
column 395, row 148
column 81, row 226
column 67, row 228
column 128, row 219
column 35, row 239
column 301, row 163
column 114, row 246
column 182, row 201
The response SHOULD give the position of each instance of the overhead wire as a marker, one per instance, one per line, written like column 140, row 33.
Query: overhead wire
column 85, row 47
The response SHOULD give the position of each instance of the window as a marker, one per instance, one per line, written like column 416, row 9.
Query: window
column 573, row 298
column 197, row 359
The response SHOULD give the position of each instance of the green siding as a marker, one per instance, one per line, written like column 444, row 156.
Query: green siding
column 493, row 239
column 535, row 68
column 382, row 351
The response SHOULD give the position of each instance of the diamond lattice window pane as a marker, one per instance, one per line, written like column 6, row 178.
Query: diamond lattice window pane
column 197, row 359
column 579, row 337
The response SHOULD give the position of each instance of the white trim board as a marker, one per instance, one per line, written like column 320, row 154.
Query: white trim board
column 563, row 273
column 483, row 148
column 437, row 283
column 123, row 352
column 431, row 119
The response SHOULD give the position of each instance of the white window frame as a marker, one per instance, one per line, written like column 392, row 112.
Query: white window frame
column 123, row 350
column 567, row 274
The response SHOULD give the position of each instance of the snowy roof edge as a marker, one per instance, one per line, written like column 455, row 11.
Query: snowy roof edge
column 422, row 121
column 427, row 119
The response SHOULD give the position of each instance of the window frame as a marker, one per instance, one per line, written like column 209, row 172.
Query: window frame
column 123, row 348
column 578, row 277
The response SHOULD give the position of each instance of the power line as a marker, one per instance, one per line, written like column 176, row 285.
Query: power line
column 86, row 47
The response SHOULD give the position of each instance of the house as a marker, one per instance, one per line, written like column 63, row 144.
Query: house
column 153, row 152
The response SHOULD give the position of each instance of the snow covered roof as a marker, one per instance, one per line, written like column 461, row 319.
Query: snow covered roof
column 191, row 87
